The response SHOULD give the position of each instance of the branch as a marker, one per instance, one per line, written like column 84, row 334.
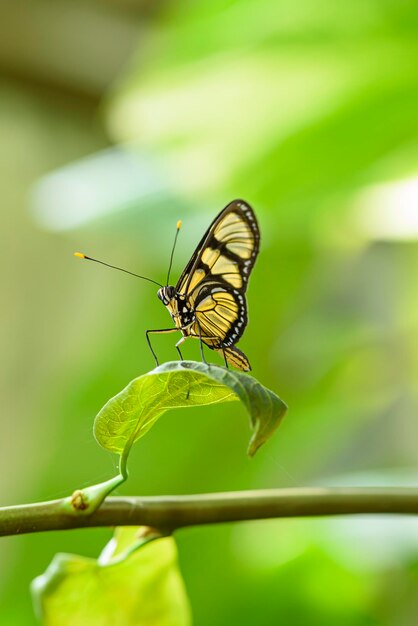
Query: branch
column 168, row 513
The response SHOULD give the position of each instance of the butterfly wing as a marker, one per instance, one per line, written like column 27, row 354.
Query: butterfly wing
column 236, row 358
column 216, row 278
column 228, row 249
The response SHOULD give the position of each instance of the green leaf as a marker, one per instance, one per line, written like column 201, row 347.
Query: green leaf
column 131, row 413
column 128, row 585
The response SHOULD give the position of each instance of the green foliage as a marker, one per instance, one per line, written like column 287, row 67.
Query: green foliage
column 129, row 584
column 130, row 414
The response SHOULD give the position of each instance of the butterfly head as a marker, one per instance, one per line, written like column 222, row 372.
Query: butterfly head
column 166, row 294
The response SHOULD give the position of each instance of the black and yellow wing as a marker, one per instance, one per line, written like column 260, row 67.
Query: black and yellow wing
column 216, row 278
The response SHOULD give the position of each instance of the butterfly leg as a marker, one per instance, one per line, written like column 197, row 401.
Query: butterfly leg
column 161, row 330
column 201, row 345
column 178, row 349
column 226, row 362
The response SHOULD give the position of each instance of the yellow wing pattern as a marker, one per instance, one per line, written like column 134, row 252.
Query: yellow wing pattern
column 216, row 278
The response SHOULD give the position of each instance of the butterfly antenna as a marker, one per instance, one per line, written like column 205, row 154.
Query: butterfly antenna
column 80, row 255
column 172, row 250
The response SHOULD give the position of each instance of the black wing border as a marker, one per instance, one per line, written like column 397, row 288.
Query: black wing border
column 239, row 206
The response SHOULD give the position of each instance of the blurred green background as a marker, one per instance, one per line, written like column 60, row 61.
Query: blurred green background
column 117, row 119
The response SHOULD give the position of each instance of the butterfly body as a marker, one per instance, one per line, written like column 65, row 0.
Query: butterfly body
column 178, row 307
column 208, row 302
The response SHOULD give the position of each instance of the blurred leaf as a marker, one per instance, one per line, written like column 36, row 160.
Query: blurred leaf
column 126, row 585
column 131, row 413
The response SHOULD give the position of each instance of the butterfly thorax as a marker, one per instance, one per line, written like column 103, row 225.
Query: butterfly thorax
column 178, row 306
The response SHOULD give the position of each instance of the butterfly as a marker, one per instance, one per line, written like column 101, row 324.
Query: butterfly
column 208, row 303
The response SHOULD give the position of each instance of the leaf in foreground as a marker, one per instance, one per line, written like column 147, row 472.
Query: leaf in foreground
column 129, row 584
column 131, row 413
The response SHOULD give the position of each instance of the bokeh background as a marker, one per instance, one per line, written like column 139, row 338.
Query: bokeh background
column 117, row 119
